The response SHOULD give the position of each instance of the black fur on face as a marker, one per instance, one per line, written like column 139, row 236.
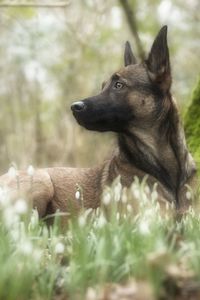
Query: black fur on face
column 108, row 111
column 133, row 96
column 128, row 98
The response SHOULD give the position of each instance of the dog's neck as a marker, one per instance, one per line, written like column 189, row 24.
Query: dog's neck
column 160, row 153
column 155, row 157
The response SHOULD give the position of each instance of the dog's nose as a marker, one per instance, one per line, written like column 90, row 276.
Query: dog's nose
column 78, row 106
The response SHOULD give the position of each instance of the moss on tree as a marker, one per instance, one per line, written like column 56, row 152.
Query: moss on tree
column 192, row 124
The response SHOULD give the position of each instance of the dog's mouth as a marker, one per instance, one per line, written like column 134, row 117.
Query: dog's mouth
column 99, row 124
column 79, row 119
column 89, row 124
column 87, row 117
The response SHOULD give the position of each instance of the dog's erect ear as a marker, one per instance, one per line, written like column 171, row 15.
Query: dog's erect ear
column 158, row 63
column 129, row 58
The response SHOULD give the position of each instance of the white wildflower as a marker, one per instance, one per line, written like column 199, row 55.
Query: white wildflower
column 1, row 193
column 166, row 205
column 77, row 195
column 106, row 198
column 117, row 216
column 101, row 221
column 95, row 224
column 144, row 227
column 59, row 248
column 15, row 234
column 26, row 247
column 136, row 192
column 97, row 211
column 148, row 213
column 188, row 195
column 34, row 219
column 154, row 195
column 21, row 206
column 12, row 173
column 10, row 217
column 124, row 196
column 160, row 246
column 30, row 170
column 4, row 197
column 87, row 212
column 147, row 189
column 129, row 208
column 157, row 207
column 81, row 221
column 117, row 191
column 187, row 248
column 144, row 198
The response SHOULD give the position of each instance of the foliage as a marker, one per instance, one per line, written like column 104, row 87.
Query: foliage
column 192, row 123
column 129, row 239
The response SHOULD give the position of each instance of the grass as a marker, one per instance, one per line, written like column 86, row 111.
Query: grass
column 128, row 241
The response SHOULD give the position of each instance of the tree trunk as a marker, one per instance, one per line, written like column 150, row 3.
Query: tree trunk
column 39, row 138
column 132, row 22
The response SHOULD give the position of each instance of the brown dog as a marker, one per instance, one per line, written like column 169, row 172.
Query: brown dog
column 136, row 103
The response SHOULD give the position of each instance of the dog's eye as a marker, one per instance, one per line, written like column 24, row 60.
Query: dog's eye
column 118, row 85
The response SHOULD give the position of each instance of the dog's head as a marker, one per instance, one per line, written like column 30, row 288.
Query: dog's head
column 133, row 96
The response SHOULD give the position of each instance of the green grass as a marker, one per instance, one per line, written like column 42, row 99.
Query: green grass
column 128, row 238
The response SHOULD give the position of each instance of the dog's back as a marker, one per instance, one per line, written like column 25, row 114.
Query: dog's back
column 58, row 188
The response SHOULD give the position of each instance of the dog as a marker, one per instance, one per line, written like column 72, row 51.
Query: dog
column 136, row 104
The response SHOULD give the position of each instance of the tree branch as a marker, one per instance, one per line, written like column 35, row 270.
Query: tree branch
column 130, row 16
column 33, row 4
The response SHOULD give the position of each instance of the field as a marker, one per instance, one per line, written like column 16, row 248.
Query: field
column 127, row 249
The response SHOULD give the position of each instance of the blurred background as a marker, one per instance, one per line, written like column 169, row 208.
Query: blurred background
column 53, row 53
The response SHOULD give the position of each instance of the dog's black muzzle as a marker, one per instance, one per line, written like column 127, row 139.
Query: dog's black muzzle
column 82, row 111
column 101, row 113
